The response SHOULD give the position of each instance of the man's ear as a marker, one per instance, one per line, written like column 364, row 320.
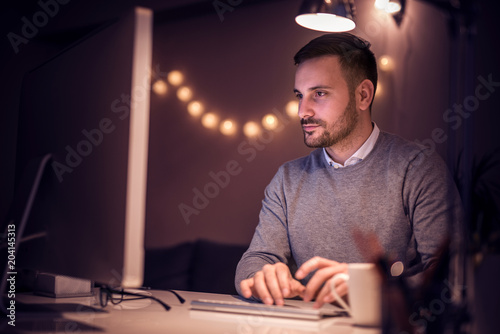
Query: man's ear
column 364, row 94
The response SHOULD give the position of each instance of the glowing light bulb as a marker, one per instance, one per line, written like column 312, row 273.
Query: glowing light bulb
column 160, row 87
column 175, row 78
column 386, row 63
column 184, row 94
column 195, row 108
column 227, row 127
column 388, row 6
column 292, row 108
column 270, row 122
column 251, row 129
column 393, row 7
column 381, row 4
column 210, row 120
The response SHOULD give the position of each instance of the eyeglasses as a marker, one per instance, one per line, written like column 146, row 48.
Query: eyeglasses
column 116, row 296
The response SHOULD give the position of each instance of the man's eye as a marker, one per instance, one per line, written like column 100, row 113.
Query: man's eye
column 320, row 94
column 299, row 96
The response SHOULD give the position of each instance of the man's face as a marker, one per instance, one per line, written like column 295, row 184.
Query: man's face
column 326, row 108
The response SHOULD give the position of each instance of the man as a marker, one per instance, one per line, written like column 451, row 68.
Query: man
column 358, row 178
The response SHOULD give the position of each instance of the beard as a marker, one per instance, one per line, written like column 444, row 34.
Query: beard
column 332, row 133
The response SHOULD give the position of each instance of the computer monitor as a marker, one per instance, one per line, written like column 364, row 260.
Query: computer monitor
column 88, row 110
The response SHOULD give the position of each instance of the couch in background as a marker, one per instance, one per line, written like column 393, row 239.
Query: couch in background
column 202, row 265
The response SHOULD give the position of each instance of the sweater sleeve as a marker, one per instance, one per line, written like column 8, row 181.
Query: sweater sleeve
column 432, row 204
column 270, row 241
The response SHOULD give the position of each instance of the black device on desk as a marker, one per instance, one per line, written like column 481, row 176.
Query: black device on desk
column 87, row 110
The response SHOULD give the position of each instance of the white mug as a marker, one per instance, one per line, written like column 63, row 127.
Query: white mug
column 365, row 300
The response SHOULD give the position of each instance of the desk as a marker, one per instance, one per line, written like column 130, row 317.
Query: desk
column 84, row 314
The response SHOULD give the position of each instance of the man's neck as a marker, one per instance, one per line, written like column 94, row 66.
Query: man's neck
column 344, row 149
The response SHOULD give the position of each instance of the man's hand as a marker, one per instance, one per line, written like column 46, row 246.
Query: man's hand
column 272, row 284
column 320, row 284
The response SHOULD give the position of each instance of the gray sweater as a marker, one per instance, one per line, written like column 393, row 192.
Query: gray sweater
column 400, row 191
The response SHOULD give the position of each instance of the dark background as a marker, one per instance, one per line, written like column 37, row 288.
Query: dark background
column 242, row 68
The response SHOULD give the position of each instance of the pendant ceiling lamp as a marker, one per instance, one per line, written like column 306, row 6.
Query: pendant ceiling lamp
column 327, row 15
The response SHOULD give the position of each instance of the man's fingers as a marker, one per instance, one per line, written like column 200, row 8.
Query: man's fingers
column 273, row 284
column 246, row 287
column 317, row 281
column 297, row 289
column 342, row 289
column 284, row 280
column 319, row 278
column 260, row 289
column 326, row 295
column 313, row 264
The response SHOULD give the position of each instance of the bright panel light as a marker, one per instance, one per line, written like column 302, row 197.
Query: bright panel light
column 270, row 122
column 195, row 108
column 160, row 87
column 210, row 120
column 325, row 22
column 292, row 108
column 228, row 127
column 175, row 78
column 251, row 129
column 184, row 93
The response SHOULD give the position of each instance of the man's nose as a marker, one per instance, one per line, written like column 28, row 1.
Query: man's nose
column 305, row 109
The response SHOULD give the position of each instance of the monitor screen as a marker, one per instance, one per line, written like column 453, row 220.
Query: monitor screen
column 88, row 109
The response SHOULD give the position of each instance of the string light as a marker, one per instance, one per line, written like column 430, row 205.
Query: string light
column 270, row 122
column 184, row 93
column 160, row 87
column 292, row 109
column 175, row 78
column 228, row 127
column 195, row 108
column 386, row 63
column 210, row 120
column 251, row 129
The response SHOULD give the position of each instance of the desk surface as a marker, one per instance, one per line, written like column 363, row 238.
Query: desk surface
column 84, row 314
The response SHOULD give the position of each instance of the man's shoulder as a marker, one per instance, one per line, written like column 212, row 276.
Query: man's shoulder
column 394, row 143
column 409, row 153
column 314, row 159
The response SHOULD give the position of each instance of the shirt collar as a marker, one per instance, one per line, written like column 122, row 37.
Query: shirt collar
column 360, row 154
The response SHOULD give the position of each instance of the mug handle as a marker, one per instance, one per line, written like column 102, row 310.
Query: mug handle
column 338, row 299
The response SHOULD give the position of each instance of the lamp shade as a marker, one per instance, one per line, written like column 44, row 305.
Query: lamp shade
column 327, row 15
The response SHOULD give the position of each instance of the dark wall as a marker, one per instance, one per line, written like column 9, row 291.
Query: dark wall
column 241, row 67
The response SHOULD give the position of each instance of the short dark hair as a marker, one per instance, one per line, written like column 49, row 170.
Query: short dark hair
column 356, row 59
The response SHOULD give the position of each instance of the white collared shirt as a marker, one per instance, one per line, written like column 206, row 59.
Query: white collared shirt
column 360, row 154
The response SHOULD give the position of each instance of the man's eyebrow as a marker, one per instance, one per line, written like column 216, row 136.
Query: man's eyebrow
column 295, row 90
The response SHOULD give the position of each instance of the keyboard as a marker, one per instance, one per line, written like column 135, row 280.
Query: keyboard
column 304, row 312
